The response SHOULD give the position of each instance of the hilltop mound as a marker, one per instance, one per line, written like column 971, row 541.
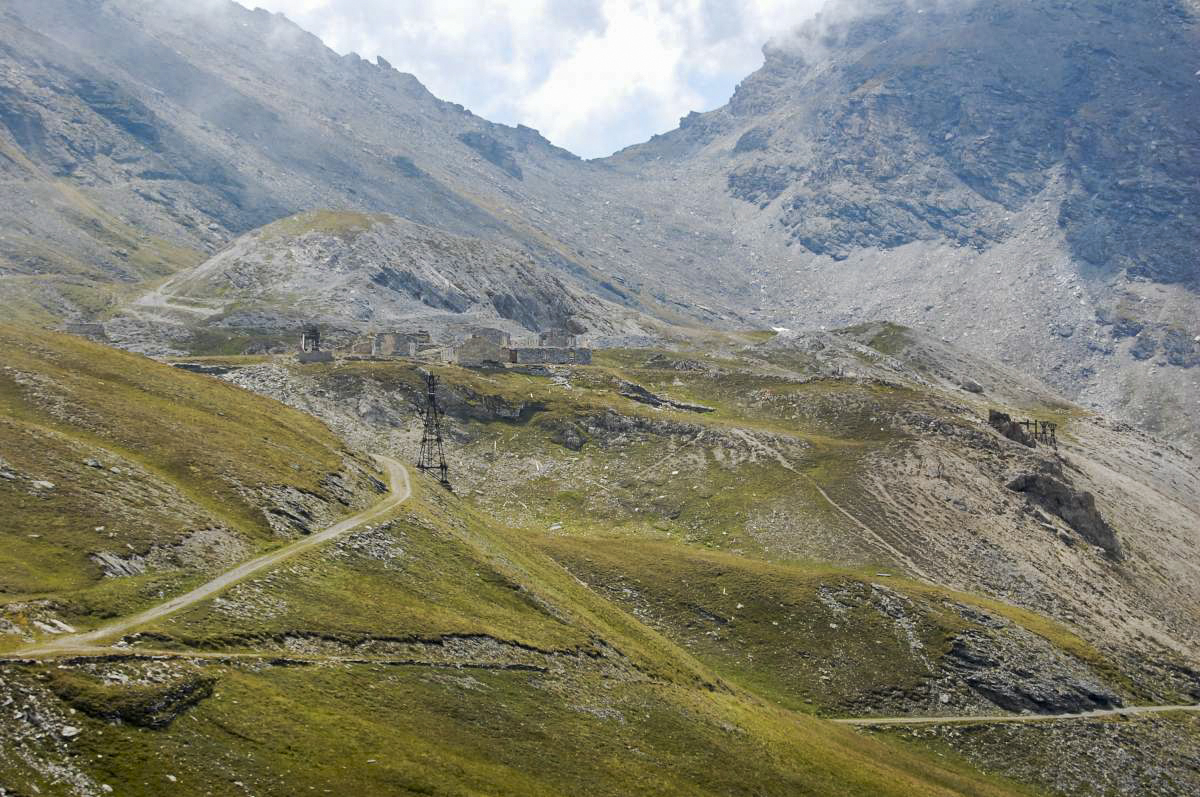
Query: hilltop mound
column 353, row 272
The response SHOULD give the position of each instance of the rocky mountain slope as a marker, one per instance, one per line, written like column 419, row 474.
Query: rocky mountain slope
column 1019, row 177
column 197, row 123
column 674, row 557
column 877, row 417
column 354, row 272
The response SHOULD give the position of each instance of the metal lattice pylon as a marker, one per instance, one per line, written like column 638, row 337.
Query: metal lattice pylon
column 433, row 457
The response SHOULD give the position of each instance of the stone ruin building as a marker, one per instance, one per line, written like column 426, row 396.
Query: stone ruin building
column 385, row 345
column 493, row 348
column 310, row 346
column 400, row 344
column 550, row 355
column 481, row 352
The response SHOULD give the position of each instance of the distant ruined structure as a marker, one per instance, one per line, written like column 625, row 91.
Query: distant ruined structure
column 310, row 346
column 548, row 355
column 388, row 345
column 481, row 352
column 310, row 338
column 493, row 348
column 484, row 347
column 400, row 344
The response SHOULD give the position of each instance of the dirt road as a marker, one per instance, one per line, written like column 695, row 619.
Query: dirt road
column 1129, row 711
column 400, row 490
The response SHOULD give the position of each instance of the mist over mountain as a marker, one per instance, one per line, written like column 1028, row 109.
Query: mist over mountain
column 1020, row 177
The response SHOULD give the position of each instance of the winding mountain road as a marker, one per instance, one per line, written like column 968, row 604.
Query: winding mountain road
column 399, row 491
column 90, row 643
column 1128, row 711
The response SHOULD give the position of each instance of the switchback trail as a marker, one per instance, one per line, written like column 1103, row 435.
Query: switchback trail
column 399, row 491
column 896, row 553
column 1128, row 711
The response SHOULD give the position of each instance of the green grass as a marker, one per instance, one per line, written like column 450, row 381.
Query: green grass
column 52, row 280
column 342, row 223
column 369, row 729
column 435, row 586
column 144, row 705
column 220, row 342
column 614, row 656
column 619, row 709
column 886, row 338
column 763, row 625
column 189, row 452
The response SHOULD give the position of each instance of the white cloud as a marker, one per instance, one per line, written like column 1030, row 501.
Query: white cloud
column 592, row 75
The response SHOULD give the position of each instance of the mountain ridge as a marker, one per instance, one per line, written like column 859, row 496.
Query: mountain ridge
column 889, row 173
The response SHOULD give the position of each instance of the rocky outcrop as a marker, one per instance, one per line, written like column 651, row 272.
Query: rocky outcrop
column 494, row 152
column 641, row 395
column 1005, row 425
column 152, row 706
column 1025, row 677
column 566, row 433
column 1076, row 508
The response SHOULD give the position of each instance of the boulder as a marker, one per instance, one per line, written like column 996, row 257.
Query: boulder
column 565, row 433
column 1077, row 508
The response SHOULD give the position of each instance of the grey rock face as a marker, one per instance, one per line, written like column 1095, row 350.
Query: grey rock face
column 986, row 664
column 1076, row 508
column 1182, row 350
column 566, row 433
column 493, row 151
column 890, row 146
column 357, row 271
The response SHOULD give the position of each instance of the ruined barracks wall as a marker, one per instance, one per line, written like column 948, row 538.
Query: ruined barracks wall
column 480, row 351
column 538, row 355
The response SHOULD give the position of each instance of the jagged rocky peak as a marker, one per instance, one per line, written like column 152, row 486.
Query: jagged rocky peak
column 898, row 121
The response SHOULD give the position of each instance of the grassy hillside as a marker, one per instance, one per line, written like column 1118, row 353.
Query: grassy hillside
column 103, row 451
column 619, row 599
column 440, row 654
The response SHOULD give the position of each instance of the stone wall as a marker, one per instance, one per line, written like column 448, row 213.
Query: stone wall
column 480, row 351
column 534, row 355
